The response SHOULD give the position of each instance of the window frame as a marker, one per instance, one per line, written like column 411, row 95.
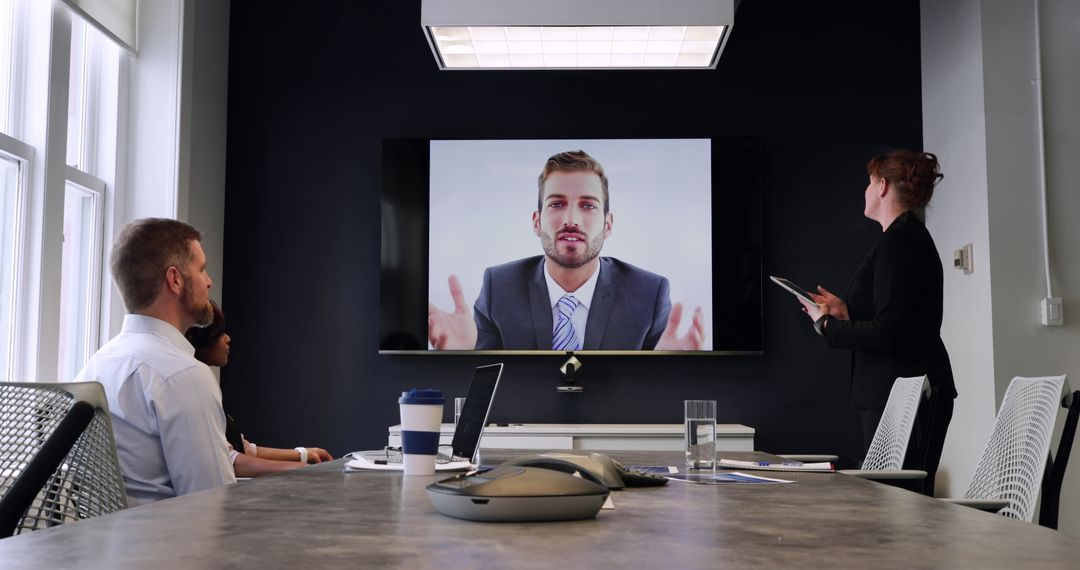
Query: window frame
column 40, row 102
column 23, row 154
column 99, row 189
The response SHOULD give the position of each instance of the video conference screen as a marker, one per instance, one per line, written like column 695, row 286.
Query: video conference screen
column 571, row 245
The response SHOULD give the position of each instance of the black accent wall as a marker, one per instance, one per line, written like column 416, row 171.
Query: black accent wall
column 313, row 91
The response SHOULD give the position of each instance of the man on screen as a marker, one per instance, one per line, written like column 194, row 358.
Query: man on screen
column 570, row 298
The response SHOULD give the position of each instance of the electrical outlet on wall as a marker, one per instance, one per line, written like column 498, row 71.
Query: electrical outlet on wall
column 963, row 258
column 1052, row 312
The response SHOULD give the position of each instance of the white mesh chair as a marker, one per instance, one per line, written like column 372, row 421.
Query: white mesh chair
column 1011, row 469
column 885, row 458
column 58, row 459
column 890, row 443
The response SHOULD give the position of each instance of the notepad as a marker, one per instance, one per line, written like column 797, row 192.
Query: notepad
column 822, row 467
column 361, row 463
column 722, row 478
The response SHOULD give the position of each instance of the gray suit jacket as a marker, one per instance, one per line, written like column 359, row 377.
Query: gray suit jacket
column 629, row 308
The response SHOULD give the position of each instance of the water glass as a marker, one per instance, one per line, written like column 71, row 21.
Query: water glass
column 700, row 418
column 459, row 404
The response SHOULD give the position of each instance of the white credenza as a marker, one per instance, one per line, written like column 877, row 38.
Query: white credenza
column 631, row 437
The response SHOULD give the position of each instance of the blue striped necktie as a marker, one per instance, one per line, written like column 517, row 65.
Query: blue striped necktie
column 564, row 336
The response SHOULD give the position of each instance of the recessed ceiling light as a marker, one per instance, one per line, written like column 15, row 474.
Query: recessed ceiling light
column 577, row 34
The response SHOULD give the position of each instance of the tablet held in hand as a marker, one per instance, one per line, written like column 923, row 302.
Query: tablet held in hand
column 793, row 289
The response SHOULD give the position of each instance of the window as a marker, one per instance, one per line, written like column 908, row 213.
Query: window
column 84, row 197
column 77, row 88
column 51, row 286
column 14, row 161
column 79, row 281
column 7, row 62
column 10, row 178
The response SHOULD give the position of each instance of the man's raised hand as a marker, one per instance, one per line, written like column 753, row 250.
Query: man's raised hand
column 694, row 339
column 456, row 330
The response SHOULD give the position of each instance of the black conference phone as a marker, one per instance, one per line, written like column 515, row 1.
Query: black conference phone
column 514, row 493
column 592, row 466
column 549, row 486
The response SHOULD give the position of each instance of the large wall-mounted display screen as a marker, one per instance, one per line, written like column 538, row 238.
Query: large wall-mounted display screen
column 583, row 245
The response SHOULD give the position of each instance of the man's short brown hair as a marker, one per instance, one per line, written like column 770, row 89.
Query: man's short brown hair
column 142, row 253
column 572, row 161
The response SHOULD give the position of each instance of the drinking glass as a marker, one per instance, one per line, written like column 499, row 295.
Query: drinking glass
column 700, row 418
column 459, row 404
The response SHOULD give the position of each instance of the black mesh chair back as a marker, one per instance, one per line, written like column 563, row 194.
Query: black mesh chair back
column 58, row 460
column 1055, row 465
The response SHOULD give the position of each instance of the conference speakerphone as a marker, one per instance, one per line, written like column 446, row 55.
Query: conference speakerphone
column 517, row 494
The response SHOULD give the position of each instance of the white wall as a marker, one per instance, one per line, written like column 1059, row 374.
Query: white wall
column 978, row 59
column 148, row 132
column 204, row 98
column 154, row 113
column 954, row 117
column 175, row 127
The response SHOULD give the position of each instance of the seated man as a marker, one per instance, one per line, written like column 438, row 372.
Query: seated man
column 166, row 405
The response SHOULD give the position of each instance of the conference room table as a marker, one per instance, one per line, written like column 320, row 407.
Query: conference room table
column 321, row 516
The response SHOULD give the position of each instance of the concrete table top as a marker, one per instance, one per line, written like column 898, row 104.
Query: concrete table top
column 320, row 516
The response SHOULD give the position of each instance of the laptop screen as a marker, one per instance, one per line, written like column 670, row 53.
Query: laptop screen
column 475, row 412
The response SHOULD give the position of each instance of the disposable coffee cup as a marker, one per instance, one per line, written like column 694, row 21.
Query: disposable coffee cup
column 421, row 418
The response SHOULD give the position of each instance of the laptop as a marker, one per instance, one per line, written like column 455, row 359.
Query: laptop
column 470, row 426
column 474, row 413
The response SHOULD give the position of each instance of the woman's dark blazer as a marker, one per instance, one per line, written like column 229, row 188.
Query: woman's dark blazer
column 894, row 304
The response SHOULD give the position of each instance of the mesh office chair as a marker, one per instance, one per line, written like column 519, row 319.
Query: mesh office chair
column 1055, row 466
column 58, row 460
column 885, row 458
column 890, row 443
column 1007, row 479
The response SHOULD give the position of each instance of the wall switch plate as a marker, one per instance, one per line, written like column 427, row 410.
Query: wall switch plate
column 963, row 258
column 1052, row 312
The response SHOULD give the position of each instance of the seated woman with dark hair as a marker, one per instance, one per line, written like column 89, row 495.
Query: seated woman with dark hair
column 212, row 348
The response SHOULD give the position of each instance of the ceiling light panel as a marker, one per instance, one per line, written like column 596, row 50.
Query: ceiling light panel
column 575, row 41
column 577, row 34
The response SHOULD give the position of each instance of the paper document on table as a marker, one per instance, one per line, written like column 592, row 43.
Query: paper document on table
column 722, row 478
column 361, row 463
column 822, row 467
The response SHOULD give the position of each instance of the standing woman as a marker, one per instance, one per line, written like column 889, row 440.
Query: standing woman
column 892, row 318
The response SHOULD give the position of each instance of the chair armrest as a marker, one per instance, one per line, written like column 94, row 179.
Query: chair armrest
column 810, row 458
column 988, row 505
column 885, row 474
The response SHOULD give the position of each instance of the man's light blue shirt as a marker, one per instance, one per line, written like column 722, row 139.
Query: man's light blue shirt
column 166, row 411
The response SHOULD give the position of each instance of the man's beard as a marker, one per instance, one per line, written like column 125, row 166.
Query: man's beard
column 592, row 249
column 203, row 315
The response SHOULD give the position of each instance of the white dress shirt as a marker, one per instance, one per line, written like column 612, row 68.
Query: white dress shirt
column 583, row 294
column 166, row 411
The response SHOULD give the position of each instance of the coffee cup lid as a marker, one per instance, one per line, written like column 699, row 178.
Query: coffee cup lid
column 428, row 396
